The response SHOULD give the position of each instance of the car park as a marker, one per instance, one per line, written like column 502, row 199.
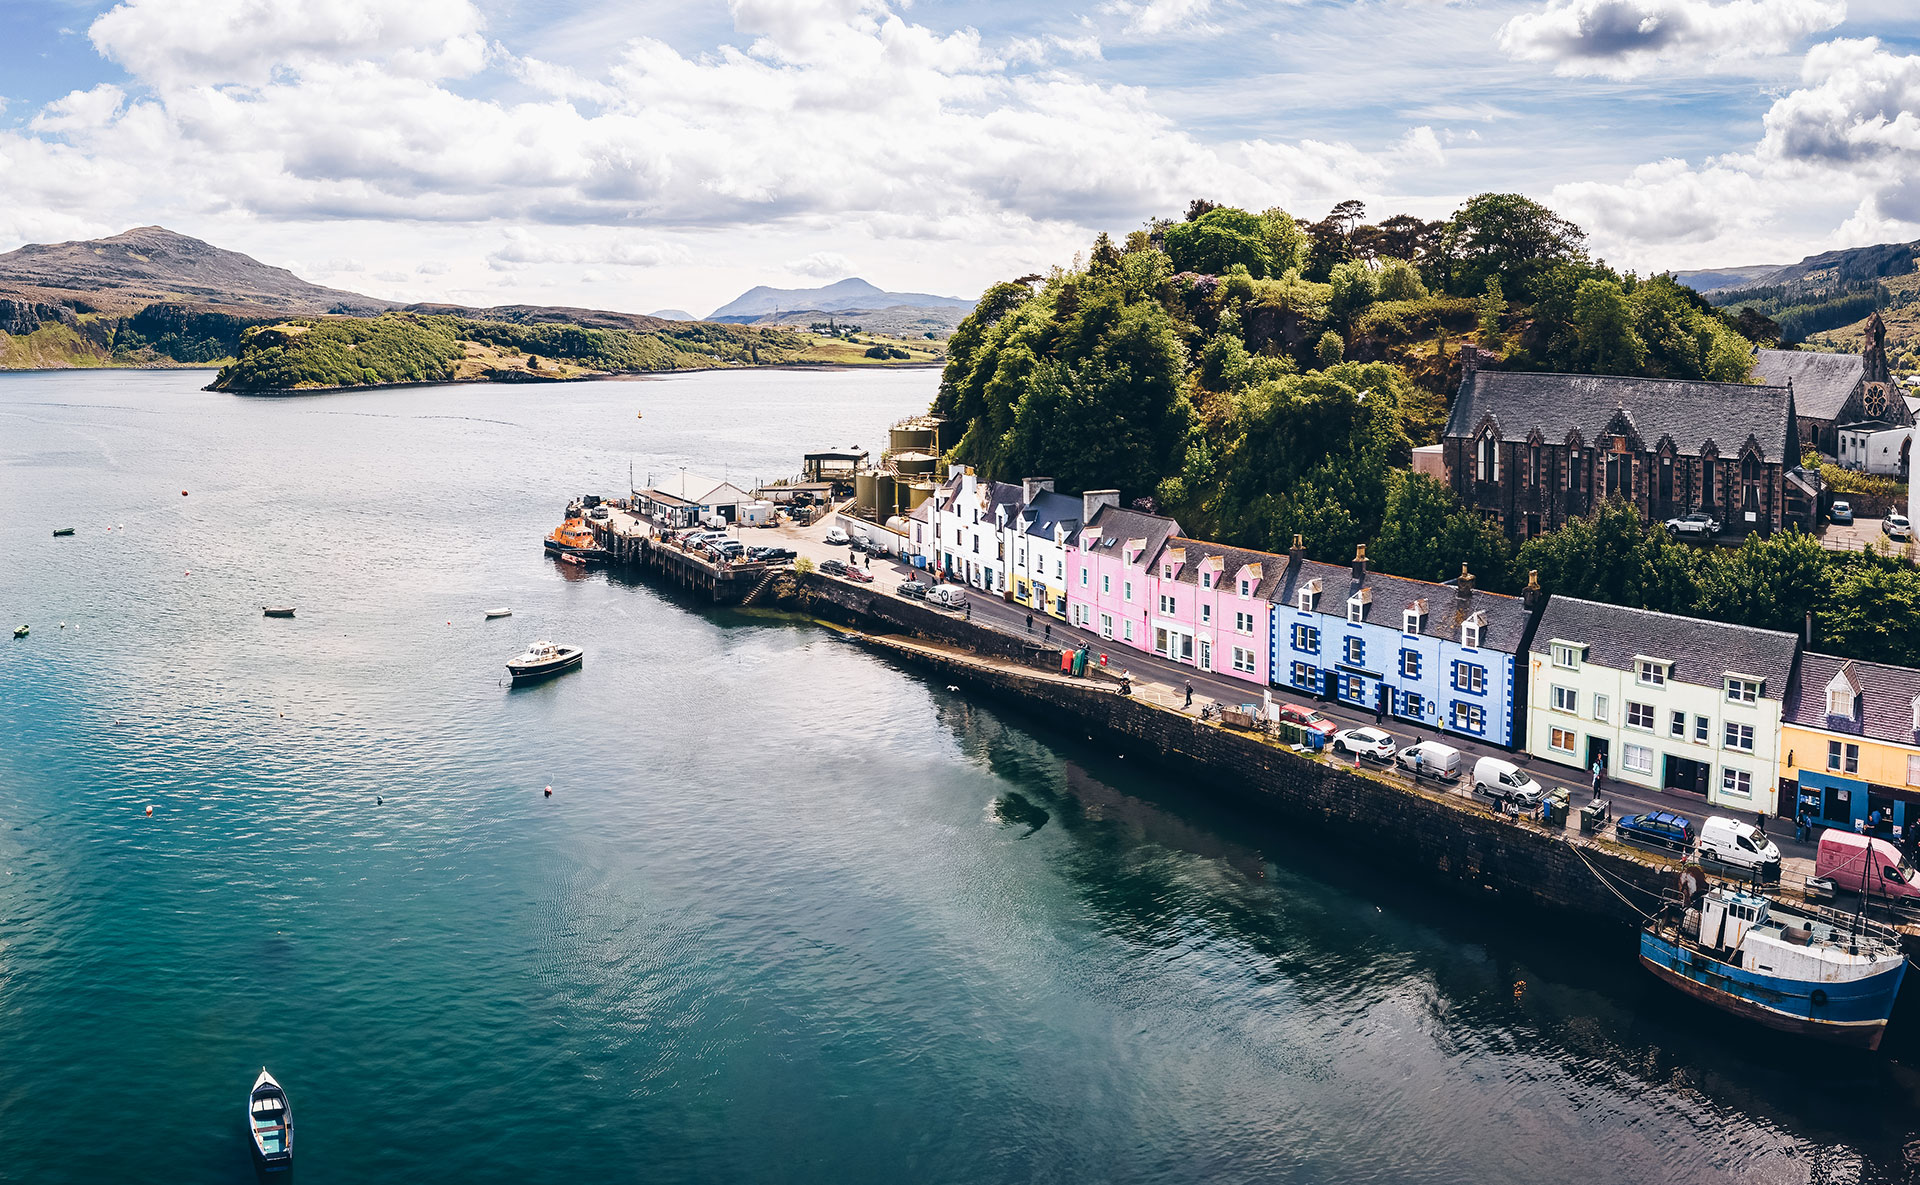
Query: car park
column 1307, row 718
column 1369, row 743
column 1503, row 781
column 1657, row 829
column 1896, row 526
column 1698, row 524
column 836, row 537
column 1840, row 512
column 1430, row 759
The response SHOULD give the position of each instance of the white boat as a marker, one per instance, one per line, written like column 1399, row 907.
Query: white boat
column 493, row 613
column 270, row 1123
column 542, row 660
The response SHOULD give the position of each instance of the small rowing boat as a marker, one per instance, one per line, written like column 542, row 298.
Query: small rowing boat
column 19, row 631
column 279, row 610
column 62, row 532
column 270, row 1123
column 497, row 613
column 578, row 561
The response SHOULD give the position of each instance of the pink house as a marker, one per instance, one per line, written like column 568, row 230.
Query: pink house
column 1211, row 607
column 1111, row 572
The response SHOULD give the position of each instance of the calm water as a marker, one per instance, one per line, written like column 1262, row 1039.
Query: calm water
column 791, row 914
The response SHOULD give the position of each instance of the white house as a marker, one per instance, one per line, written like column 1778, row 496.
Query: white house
column 971, row 525
column 704, row 495
column 1660, row 701
column 1042, row 531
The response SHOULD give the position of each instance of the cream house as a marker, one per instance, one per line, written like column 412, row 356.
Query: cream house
column 1661, row 701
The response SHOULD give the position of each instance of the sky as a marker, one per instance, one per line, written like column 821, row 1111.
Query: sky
column 673, row 153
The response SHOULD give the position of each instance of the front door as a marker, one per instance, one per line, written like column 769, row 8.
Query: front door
column 1206, row 655
column 1684, row 773
column 1597, row 751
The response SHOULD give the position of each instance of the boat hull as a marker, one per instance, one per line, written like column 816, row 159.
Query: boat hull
column 590, row 554
column 534, row 672
column 1852, row 1012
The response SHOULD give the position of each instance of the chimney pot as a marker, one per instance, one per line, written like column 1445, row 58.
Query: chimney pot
column 1360, row 562
column 1465, row 583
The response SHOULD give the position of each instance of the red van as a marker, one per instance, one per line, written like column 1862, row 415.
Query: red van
column 1863, row 864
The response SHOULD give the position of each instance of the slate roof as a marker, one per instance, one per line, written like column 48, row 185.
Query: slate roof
column 998, row 494
column 1821, row 382
column 1691, row 413
column 1273, row 568
column 1447, row 610
column 1701, row 652
column 1884, row 711
column 1117, row 526
column 1049, row 510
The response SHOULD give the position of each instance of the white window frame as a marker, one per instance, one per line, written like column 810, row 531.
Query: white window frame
column 1470, row 634
column 1743, row 691
column 1649, row 673
column 1243, row 623
column 1737, row 782
column 1737, row 737
column 1565, row 656
column 1646, row 711
column 1106, row 584
column 1206, row 613
column 1356, row 610
column 1565, row 699
column 1556, row 734
column 1636, row 759
column 1243, row 660
column 1602, row 708
column 1677, row 726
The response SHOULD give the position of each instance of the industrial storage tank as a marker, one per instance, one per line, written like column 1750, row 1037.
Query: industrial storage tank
column 866, row 491
column 910, row 437
column 883, row 497
column 917, row 493
column 913, row 464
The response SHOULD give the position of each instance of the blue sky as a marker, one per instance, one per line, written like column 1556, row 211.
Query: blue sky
column 640, row 156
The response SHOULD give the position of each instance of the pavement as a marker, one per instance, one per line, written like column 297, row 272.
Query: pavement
column 1165, row 681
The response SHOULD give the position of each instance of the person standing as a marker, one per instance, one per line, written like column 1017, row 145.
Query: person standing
column 1048, row 635
column 1596, row 777
column 1760, row 823
column 1189, row 702
column 1029, row 623
column 1802, row 826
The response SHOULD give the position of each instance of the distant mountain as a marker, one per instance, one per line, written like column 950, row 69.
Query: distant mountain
column 1829, row 269
column 673, row 315
column 151, row 264
column 849, row 295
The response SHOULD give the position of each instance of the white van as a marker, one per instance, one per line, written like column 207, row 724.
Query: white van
column 1430, row 759
column 947, row 596
column 1739, row 846
column 1503, row 780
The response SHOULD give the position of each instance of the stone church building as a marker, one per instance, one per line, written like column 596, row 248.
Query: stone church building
column 1535, row 450
column 1835, row 391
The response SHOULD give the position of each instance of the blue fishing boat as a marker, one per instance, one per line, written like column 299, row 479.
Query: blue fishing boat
column 1796, row 972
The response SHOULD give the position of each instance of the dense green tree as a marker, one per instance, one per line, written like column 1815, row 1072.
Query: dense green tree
column 1331, row 348
column 1613, row 557
column 1427, row 534
column 1872, row 612
column 1265, row 244
column 1769, row 581
column 1493, row 307
column 1506, row 235
column 1606, row 341
column 1400, row 280
column 1353, row 287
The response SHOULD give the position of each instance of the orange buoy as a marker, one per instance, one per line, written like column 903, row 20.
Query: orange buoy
column 149, row 811
column 549, row 793
column 183, row 493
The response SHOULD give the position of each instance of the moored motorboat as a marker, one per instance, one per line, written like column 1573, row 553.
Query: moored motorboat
column 279, row 610
column 496, row 613
column 270, row 1124
column 544, row 660
column 574, row 536
column 19, row 631
column 61, row 532
column 1799, row 973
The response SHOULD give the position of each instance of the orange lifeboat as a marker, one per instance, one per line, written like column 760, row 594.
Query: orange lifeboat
column 574, row 537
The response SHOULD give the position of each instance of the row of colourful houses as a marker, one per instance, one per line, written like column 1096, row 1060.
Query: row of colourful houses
column 1743, row 716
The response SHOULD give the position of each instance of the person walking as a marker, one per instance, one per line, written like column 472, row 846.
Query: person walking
column 1596, row 777
column 1048, row 635
column 969, row 608
column 1802, row 826
column 1189, row 702
column 1760, row 823
column 1029, row 623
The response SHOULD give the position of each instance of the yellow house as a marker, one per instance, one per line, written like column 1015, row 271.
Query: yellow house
column 1850, row 742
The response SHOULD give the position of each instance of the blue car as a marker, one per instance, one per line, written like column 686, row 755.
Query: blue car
column 1657, row 829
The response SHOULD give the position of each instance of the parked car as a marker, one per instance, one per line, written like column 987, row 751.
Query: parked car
column 770, row 555
column 1698, row 524
column 1862, row 863
column 914, row 590
column 833, row 567
column 859, row 575
column 1739, row 846
column 1657, row 829
column 947, row 596
column 836, row 537
column 598, row 512
column 1840, row 512
column 1503, row 781
column 1307, row 718
column 1896, row 526
column 1430, row 759
column 1369, row 743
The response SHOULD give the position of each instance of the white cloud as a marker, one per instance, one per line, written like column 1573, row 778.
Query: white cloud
column 1157, row 18
column 523, row 249
column 821, row 265
column 1625, row 38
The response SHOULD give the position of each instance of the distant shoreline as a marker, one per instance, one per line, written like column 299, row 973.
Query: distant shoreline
column 625, row 376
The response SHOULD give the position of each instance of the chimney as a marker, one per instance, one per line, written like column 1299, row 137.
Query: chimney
column 1534, row 595
column 1360, row 563
column 1469, row 360
column 1093, row 500
column 1464, row 585
column 1033, row 487
column 1298, row 552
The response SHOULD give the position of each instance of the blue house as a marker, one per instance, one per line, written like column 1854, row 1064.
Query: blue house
column 1447, row 656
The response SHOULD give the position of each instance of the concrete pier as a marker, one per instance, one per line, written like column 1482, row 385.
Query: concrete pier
column 632, row 543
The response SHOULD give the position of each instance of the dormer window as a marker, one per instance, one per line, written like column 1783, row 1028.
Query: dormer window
column 1357, row 605
column 1839, row 702
column 1246, row 588
column 1309, row 595
column 1206, row 579
column 1916, row 713
column 1651, row 672
column 1471, row 630
column 1415, row 618
column 1166, row 571
column 1567, row 655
